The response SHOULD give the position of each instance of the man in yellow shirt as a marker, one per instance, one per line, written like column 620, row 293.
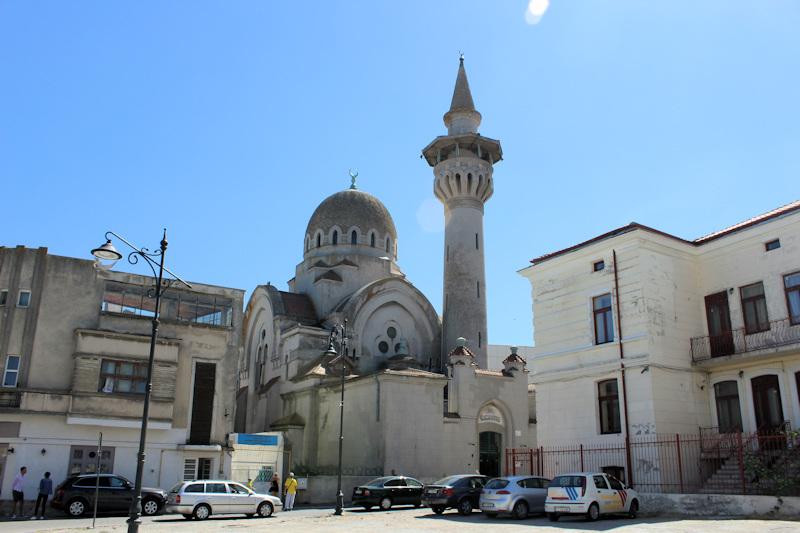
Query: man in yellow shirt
column 290, row 488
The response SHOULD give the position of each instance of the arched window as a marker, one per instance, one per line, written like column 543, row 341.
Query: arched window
column 335, row 238
column 372, row 240
column 354, row 237
column 387, row 244
column 319, row 240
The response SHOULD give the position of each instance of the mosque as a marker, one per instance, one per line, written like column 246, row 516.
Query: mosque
column 419, row 398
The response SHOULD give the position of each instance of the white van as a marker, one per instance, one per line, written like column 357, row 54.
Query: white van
column 590, row 494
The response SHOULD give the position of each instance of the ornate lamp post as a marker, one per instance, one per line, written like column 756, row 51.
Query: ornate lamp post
column 155, row 260
column 339, row 331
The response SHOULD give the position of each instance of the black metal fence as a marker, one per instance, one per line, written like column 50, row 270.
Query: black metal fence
column 780, row 333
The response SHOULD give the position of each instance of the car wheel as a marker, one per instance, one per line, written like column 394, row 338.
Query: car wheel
column 149, row 507
column 76, row 508
column 634, row 509
column 438, row 509
column 386, row 504
column 188, row 516
column 265, row 509
column 201, row 512
column 367, row 507
column 520, row 510
column 553, row 517
column 490, row 515
column 465, row 507
column 593, row 513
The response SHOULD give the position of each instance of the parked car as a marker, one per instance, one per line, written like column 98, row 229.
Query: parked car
column 75, row 495
column 388, row 491
column 461, row 492
column 590, row 494
column 518, row 495
column 202, row 498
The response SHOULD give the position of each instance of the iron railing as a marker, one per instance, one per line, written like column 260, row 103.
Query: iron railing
column 10, row 398
column 766, row 462
column 780, row 333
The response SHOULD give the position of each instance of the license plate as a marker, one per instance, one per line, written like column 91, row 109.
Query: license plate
column 358, row 491
column 562, row 509
column 431, row 491
column 487, row 505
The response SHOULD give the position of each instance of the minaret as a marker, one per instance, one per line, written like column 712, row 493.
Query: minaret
column 462, row 164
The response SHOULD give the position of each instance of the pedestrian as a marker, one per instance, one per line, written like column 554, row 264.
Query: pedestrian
column 17, row 488
column 291, row 489
column 275, row 485
column 45, row 491
column 250, row 483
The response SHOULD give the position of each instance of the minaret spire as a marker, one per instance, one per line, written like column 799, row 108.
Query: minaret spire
column 463, row 164
column 462, row 116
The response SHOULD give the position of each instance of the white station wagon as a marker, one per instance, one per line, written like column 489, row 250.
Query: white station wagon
column 200, row 499
column 590, row 494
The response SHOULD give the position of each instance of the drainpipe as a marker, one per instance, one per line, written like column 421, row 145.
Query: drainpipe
column 622, row 370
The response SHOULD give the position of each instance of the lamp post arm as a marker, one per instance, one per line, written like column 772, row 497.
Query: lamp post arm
column 150, row 258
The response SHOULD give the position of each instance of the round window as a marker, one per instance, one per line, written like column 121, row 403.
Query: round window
column 391, row 332
column 397, row 348
column 383, row 346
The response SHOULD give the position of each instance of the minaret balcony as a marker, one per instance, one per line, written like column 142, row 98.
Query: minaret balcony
column 446, row 146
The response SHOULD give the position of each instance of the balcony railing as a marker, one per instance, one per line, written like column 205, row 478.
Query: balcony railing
column 10, row 398
column 780, row 333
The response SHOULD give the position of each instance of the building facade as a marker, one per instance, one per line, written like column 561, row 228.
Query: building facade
column 74, row 344
column 707, row 330
column 419, row 399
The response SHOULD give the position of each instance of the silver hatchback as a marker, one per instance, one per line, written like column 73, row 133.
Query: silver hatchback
column 200, row 499
column 518, row 495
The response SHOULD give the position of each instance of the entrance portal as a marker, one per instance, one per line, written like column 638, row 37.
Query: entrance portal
column 490, row 446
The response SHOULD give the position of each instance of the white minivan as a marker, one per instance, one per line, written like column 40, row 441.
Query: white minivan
column 202, row 498
column 590, row 494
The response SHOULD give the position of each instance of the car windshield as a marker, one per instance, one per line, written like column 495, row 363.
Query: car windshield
column 447, row 480
column 379, row 481
column 497, row 484
column 568, row 481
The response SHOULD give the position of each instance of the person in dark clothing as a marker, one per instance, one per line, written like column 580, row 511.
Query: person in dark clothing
column 45, row 491
column 274, row 487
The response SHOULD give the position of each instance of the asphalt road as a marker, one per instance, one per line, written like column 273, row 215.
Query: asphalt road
column 399, row 521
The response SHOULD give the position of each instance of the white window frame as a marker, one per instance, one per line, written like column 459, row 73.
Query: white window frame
column 6, row 370
column 19, row 297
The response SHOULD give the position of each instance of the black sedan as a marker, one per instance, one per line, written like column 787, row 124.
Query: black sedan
column 75, row 496
column 388, row 491
column 457, row 492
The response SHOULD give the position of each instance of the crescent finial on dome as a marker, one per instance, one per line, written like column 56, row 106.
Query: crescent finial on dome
column 353, row 176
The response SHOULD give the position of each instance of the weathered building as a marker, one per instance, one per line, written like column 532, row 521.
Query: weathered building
column 74, row 344
column 419, row 397
column 708, row 331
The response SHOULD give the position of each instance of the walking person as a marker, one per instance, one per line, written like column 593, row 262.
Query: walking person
column 45, row 491
column 291, row 489
column 275, row 485
column 17, row 491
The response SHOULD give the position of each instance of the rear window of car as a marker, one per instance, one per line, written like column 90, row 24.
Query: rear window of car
column 176, row 488
column 195, row 487
column 378, row 482
column 568, row 481
column 497, row 484
column 90, row 482
column 447, row 480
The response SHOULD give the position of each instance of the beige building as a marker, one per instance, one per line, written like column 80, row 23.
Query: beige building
column 74, row 343
column 708, row 331
column 419, row 398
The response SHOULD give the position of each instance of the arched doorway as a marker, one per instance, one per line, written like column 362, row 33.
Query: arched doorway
column 490, row 448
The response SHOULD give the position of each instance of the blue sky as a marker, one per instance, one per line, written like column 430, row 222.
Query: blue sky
column 228, row 122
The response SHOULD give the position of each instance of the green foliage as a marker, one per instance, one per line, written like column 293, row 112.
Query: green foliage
column 775, row 470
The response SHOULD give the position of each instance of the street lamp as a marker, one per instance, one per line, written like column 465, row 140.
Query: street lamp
column 155, row 260
column 339, row 331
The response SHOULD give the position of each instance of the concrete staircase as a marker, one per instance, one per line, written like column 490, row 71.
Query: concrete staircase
column 727, row 479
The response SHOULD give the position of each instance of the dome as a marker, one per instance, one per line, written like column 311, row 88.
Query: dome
column 352, row 209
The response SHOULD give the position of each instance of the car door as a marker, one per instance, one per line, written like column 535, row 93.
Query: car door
column 413, row 491
column 605, row 496
column 218, row 497
column 620, row 494
column 119, row 491
column 241, row 499
column 396, row 490
column 475, row 486
column 527, row 489
column 538, row 488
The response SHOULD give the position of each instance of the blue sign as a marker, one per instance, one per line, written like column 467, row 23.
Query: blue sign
column 252, row 439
